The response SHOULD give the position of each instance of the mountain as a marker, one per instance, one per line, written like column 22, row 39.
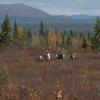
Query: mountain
column 21, row 10
column 82, row 16
column 30, row 16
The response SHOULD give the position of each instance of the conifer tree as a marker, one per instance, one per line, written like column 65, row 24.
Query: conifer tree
column 29, row 34
column 88, row 36
column 65, row 33
column 85, row 43
column 15, row 34
column 63, row 40
column 42, row 34
column 42, row 29
column 71, row 33
column 6, row 31
column 95, row 41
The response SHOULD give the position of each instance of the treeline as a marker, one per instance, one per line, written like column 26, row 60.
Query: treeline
column 70, row 39
column 11, row 35
column 14, row 35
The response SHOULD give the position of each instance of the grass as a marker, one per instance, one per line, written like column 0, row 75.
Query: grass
column 78, row 79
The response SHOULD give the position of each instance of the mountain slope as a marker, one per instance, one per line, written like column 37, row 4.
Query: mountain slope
column 26, row 15
column 21, row 10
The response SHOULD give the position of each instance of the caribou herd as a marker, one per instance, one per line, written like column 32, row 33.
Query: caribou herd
column 47, row 56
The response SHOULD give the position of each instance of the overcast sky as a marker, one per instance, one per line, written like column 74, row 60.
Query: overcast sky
column 62, row 7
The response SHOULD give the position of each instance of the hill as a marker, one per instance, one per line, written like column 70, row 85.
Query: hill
column 22, row 11
column 31, row 16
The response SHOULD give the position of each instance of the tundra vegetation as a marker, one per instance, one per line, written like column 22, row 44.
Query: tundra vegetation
column 23, row 77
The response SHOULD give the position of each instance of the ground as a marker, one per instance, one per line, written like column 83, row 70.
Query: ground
column 77, row 79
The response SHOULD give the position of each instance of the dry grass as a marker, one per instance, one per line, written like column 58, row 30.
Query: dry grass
column 30, row 79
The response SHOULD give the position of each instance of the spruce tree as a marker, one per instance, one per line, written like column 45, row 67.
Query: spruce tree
column 6, row 31
column 71, row 33
column 42, row 34
column 29, row 34
column 88, row 36
column 95, row 41
column 97, row 27
column 15, row 34
column 65, row 33
column 41, row 30
column 63, row 40
column 85, row 43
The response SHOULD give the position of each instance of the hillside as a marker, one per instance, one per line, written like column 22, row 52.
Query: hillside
column 31, row 16
column 21, row 10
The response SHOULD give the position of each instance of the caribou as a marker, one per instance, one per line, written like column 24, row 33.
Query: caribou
column 46, row 56
column 60, row 56
column 73, row 55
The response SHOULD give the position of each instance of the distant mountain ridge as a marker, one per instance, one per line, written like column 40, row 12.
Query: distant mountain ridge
column 26, row 15
column 21, row 10
column 82, row 16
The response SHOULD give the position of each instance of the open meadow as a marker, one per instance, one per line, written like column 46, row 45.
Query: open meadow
column 30, row 79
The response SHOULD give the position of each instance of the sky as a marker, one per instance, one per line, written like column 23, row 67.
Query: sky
column 62, row 7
